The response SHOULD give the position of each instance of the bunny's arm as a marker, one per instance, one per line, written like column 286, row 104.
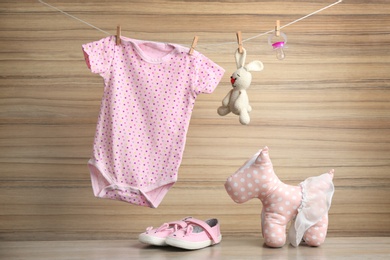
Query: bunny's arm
column 226, row 99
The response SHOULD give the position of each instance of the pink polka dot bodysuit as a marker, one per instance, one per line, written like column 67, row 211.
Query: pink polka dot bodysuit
column 305, row 205
column 149, row 93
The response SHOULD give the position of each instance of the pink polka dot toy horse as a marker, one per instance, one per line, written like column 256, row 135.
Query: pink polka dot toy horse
column 306, row 205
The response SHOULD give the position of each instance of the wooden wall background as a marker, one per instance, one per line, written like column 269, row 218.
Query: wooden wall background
column 325, row 106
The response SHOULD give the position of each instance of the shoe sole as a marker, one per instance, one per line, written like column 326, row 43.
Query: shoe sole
column 151, row 240
column 190, row 245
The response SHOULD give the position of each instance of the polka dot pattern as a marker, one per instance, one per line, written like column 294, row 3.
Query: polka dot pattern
column 315, row 235
column 281, row 202
column 150, row 91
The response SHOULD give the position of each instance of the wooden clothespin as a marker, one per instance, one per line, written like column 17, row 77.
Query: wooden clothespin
column 193, row 45
column 277, row 28
column 239, row 41
column 118, row 35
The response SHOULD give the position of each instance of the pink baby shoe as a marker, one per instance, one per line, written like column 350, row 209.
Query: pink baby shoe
column 198, row 234
column 157, row 236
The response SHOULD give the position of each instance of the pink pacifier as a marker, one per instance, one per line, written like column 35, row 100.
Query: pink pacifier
column 278, row 46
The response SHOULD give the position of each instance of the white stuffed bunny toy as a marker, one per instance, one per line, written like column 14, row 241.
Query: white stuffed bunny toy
column 237, row 101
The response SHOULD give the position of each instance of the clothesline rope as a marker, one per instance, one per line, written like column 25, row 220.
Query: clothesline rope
column 201, row 45
column 74, row 17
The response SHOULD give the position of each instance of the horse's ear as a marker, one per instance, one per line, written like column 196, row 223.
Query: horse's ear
column 263, row 156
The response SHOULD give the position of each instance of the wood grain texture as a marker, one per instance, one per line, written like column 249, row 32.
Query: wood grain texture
column 325, row 106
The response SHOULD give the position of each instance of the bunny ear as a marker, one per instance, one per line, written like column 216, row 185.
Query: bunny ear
column 255, row 66
column 240, row 58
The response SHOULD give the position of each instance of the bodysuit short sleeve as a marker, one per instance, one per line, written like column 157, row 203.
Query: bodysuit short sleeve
column 208, row 75
column 99, row 54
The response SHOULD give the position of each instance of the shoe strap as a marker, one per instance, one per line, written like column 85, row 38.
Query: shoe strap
column 180, row 223
column 205, row 227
